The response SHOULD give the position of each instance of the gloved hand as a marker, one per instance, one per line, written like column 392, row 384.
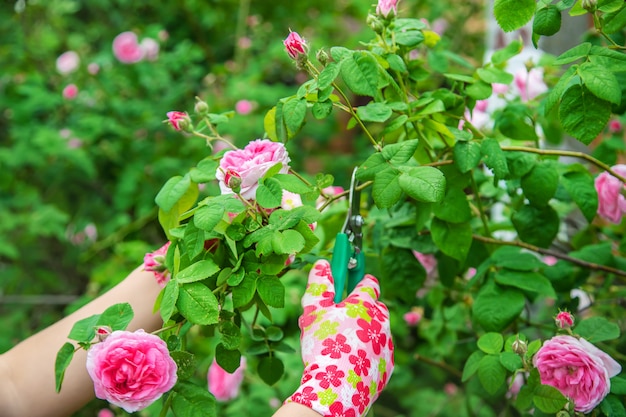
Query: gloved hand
column 346, row 348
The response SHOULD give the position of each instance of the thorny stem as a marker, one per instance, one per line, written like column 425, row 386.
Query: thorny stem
column 556, row 254
column 573, row 154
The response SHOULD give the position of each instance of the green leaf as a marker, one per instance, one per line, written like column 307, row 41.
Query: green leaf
column 322, row 109
column 117, row 317
column 494, row 158
column 536, row 225
column 540, row 183
column 190, row 400
column 601, row 82
column 597, row 329
column 511, row 361
column 579, row 183
column 513, row 258
column 204, row 171
column 269, row 194
column 310, row 238
column 274, row 333
column 271, row 290
column 502, row 55
column 491, row 374
column 527, row 281
column 172, row 191
column 520, row 163
column 612, row 406
column 185, row 364
column 292, row 183
column 360, row 73
column 491, row 343
column 608, row 58
column 424, row 184
column 197, row 303
column 63, row 360
column 618, row 385
column 193, row 240
column 293, row 114
column 548, row 399
column 327, row 75
column 197, row 271
column 492, row 75
column 547, row 20
column 207, row 217
column 614, row 22
column 582, row 114
column 228, row 359
column 287, row 242
column 471, row 365
column 495, row 308
column 374, row 164
column 565, row 81
column 244, row 292
column 454, row 208
column 574, row 54
column 270, row 369
column 399, row 153
column 479, row 90
column 168, row 301
column 513, row 14
column 374, row 112
column 467, row 155
column 408, row 32
column 454, row 239
column 386, row 190
column 84, row 330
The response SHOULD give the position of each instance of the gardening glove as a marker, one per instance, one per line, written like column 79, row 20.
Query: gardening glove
column 346, row 348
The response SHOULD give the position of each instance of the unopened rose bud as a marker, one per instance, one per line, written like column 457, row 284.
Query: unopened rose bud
column 374, row 22
column 563, row 413
column 519, row 346
column 232, row 179
column 295, row 45
column 103, row 332
column 564, row 320
column 590, row 5
column 322, row 57
column 179, row 120
column 201, row 108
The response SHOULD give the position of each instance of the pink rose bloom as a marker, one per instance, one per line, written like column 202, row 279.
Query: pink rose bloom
column 329, row 192
column 243, row 107
column 251, row 163
column 550, row 260
column 150, row 48
column 93, row 68
column 479, row 117
column 530, row 84
column 67, row 62
column 176, row 117
column 295, row 45
column 578, row 369
column 611, row 201
column 413, row 317
column 222, row 385
column 564, row 320
column 126, row 48
column 105, row 412
column 615, row 126
column 131, row 370
column 428, row 261
column 385, row 7
column 290, row 200
column 70, row 92
column 499, row 88
column 155, row 263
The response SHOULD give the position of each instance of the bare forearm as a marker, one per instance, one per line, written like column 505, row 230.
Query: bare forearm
column 27, row 370
column 295, row 410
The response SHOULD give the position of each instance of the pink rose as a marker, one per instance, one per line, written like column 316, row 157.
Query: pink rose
column 530, row 83
column 295, row 45
column 413, row 317
column 243, row 107
column 251, row 163
column 615, row 126
column 428, row 261
column 178, row 119
column 564, row 320
column 327, row 192
column 290, row 200
column 70, row 92
column 150, row 48
column 67, row 62
column 105, row 412
column 222, row 385
column 131, row 370
column 611, row 201
column 126, row 48
column 155, row 263
column 93, row 68
column 385, row 7
column 578, row 369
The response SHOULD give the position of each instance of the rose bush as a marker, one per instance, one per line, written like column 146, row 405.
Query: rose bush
column 578, row 369
column 611, row 199
column 131, row 369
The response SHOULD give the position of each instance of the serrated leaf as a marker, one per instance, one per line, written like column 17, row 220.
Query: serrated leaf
column 513, row 14
column 547, row 20
column 386, row 190
column 454, row 207
column 495, row 308
column 198, row 271
column 526, row 280
column 454, row 239
column 244, row 292
column 540, row 183
column 62, row 361
column 360, row 73
column 168, row 301
column 424, row 184
column 408, row 32
column 185, row 364
column 491, row 343
column 269, row 194
column 117, row 316
column 612, row 406
column 471, row 365
column 293, row 114
column 287, row 242
column 84, row 330
column 511, row 361
column 548, row 399
column 190, row 400
column 207, row 217
column 374, row 112
column 172, row 191
column 597, row 329
column 618, row 385
column 491, row 374
column 494, row 157
column 536, row 225
column 579, row 183
column 554, row 96
column 601, row 82
column 466, row 155
column 271, row 290
column 197, row 303
column 327, row 75
column 574, row 54
column 374, row 164
column 494, row 75
column 502, row 55
column 399, row 153
column 582, row 114
column 228, row 359
column 270, row 369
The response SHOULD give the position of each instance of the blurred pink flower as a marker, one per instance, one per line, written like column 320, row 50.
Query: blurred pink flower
column 329, row 192
column 67, row 62
column 163, row 35
column 70, row 92
column 564, row 320
column 439, row 26
column 385, row 7
column 471, row 271
column 150, row 48
column 127, row 49
column 428, row 261
column 611, row 200
column 244, row 42
column 105, row 412
column 295, row 45
column 615, row 126
column 450, row 389
column 578, row 369
column 131, row 369
column 498, row 88
column 176, row 117
column 479, row 117
column 155, row 263
column 515, row 385
column 74, row 143
column 93, row 68
column 244, row 107
column 251, row 163
column 530, row 84
column 550, row 260
column 413, row 317
column 222, row 385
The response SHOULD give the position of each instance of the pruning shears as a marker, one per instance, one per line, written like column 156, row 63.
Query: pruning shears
column 348, row 260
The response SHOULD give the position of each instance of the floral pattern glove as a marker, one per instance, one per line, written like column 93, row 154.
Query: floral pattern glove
column 346, row 348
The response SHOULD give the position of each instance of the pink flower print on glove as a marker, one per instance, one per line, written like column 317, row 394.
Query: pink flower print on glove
column 346, row 347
